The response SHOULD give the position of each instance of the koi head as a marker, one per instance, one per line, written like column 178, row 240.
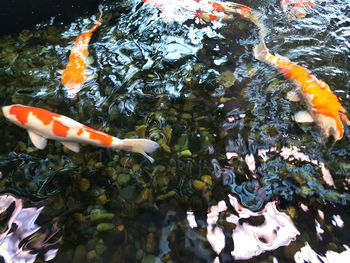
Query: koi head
column 10, row 113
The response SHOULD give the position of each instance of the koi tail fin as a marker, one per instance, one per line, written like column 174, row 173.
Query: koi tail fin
column 252, row 15
column 100, row 9
column 142, row 146
column 260, row 51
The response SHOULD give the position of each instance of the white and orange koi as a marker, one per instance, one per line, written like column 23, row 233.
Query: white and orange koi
column 42, row 125
column 76, row 72
column 297, row 8
column 323, row 106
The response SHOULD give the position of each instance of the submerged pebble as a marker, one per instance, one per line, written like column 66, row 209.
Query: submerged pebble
column 100, row 215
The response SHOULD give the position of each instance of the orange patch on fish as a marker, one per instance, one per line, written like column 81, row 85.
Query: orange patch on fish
column 104, row 138
column 59, row 129
column 22, row 114
column 217, row 7
column 79, row 132
column 46, row 117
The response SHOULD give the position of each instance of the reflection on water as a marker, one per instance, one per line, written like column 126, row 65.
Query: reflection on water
column 307, row 254
column 252, row 233
column 232, row 166
column 21, row 239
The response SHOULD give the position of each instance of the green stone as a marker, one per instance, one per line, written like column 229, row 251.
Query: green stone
column 123, row 178
column 105, row 227
column 151, row 259
column 99, row 215
column 186, row 116
column 185, row 153
column 79, row 254
column 84, row 184
column 127, row 192
column 100, row 249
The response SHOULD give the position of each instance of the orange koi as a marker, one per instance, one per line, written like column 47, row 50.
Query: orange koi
column 323, row 106
column 76, row 72
column 43, row 125
column 297, row 8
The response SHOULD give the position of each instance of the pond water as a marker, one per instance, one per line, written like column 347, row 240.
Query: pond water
column 235, row 177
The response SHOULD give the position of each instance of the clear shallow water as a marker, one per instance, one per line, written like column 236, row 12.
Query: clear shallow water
column 228, row 141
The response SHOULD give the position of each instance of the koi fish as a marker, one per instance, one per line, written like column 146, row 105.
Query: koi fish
column 203, row 9
column 76, row 72
column 323, row 106
column 42, row 125
column 297, row 8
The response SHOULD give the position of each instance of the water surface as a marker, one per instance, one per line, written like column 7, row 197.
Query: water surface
column 232, row 166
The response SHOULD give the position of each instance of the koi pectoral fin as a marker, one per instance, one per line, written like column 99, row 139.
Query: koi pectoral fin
column 73, row 146
column 303, row 117
column 39, row 141
column 60, row 71
column 293, row 95
column 90, row 60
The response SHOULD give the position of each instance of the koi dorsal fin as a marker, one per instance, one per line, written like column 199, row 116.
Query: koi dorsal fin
column 39, row 141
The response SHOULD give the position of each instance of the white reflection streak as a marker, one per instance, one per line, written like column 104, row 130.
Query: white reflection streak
column 294, row 152
column 215, row 235
column 319, row 230
column 277, row 230
column 12, row 248
column 307, row 254
column 250, row 161
column 337, row 221
column 191, row 219
column 181, row 10
column 304, row 207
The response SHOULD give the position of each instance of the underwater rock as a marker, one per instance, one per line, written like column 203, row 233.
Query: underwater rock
column 102, row 199
column 127, row 162
column 207, row 179
column 79, row 254
column 100, row 248
column 128, row 192
column 199, row 185
column 91, row 254
column 151, row 259
column 98, row 165
column 228, row 78
column 185, row 153
column 151, row 243
column 145, row 195
column 123, row 179
column 105, row 227
column 100, row 215
column 163, row 180
column 165, row 196
column 84, row 184
column 186, row 116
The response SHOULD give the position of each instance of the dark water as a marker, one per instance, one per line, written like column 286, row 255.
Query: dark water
column 235, row 177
